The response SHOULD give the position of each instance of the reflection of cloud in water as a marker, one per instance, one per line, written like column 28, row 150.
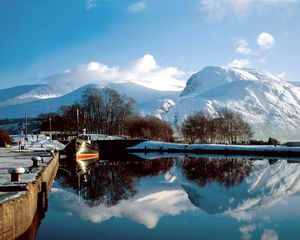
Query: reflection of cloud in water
column 269, row 234
column 247, row 231
column 145, row 207
column 240, row 191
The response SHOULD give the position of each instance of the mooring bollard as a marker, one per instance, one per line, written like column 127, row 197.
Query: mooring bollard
column 36, row 161
column 15, row 173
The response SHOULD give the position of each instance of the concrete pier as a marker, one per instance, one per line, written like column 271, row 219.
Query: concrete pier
column 19, row 201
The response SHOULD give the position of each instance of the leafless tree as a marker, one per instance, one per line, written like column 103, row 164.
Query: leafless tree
column 105, row 110
column 226, row 127
column 150, row 128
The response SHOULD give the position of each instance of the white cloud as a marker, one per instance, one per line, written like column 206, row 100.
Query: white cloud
column 269, row 234
column 136, row 7
column 144, row 71
column 239, row 63
column 243, row 47
column 89, row 4
column 217, row 10
column 265, row 40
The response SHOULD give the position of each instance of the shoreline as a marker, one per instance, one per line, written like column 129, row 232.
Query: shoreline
column 220, row 149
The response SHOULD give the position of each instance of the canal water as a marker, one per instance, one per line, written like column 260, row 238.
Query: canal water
column 179, row 197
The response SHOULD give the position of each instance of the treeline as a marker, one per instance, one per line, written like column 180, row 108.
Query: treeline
column 226, row 127
column 105, row 111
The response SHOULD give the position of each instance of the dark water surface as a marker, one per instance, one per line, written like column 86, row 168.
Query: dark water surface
column 176, row 198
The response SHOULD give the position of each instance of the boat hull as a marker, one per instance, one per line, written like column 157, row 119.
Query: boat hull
column 80, row 151
column 86, row 156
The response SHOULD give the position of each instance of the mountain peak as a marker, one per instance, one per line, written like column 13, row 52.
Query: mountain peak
column 213, row 76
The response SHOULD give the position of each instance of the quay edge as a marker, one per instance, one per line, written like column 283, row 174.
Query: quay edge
column 17, row 214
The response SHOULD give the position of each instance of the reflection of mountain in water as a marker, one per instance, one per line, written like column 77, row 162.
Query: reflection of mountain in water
column 250, row 185
column 215, row 184
column 145, row 191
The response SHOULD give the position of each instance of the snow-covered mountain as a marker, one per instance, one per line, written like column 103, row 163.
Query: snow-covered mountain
column 42, row 104
column 29, row 93
column 297, row 84
column 269, row 104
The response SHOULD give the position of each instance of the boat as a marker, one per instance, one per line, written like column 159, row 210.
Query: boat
column 80, row 150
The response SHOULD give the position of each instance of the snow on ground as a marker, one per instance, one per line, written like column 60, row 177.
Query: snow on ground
column 13, row 157
column 10, row 159
column 160, row 146
column 5, row 196
column 36, row 142
column 95, row 137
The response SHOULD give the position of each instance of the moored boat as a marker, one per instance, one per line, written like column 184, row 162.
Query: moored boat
column 81, row 150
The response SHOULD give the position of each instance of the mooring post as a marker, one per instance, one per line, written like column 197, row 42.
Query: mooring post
column 52, row 152
column 36, row 161
column 15, row 173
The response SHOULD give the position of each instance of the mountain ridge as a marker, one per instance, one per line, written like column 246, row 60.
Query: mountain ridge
column 269, row 104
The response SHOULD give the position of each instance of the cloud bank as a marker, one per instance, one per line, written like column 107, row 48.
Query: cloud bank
column 217, row 10
column 144, row 71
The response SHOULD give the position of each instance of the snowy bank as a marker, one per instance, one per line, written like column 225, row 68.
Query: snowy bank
column 261, row 150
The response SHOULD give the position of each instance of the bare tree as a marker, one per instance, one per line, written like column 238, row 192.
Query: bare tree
column 226, row 127
column 149, row 127
column 105, row 110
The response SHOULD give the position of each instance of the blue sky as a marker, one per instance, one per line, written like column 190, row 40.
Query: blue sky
column 45, row 38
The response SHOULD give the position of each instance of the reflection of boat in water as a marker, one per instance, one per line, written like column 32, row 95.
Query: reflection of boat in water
column 81, row 150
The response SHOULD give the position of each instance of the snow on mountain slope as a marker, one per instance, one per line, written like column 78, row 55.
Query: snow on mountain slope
column 158, row 108
column 8, row 93
column 36, row 107
column 140, row 93
column 29, row 93
column 211, row 77
column 33, row 108
column 269, row 104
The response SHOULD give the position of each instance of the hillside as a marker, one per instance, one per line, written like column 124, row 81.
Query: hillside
column 44, row 104
column 270, row 104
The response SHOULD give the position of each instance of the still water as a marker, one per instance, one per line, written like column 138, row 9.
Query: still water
column 176, row 198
